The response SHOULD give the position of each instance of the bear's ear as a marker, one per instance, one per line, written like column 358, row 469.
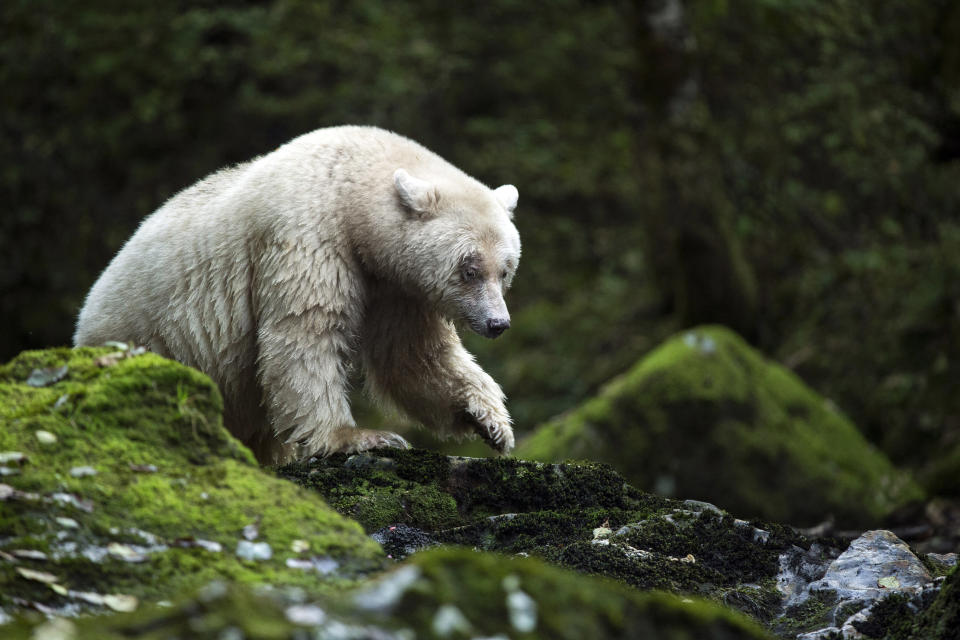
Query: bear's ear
column 415, row 194
column 507, row 195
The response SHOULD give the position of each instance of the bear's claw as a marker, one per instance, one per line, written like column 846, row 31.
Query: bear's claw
column 496, row 435
column 353, row 440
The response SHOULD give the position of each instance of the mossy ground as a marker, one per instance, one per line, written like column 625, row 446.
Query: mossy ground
column 448, row 593
column 478, row 585
column 706, row 416
column 118, row 419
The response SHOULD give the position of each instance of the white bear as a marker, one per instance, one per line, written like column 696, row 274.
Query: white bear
column 346, row 246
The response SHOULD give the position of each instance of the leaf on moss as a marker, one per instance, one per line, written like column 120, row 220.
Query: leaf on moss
column 108, row 360
column 38, row 576
column 125, row 552
column 45, row 437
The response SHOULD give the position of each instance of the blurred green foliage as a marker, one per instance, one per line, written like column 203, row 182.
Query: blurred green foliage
column 785, row 167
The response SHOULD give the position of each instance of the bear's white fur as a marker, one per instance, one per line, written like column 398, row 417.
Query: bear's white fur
column 348, row 245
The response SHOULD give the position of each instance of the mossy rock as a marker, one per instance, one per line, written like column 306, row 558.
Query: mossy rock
column 706, row 416
column 449, row 593
column 119, row 478
column 582, row 516
column 942, row 620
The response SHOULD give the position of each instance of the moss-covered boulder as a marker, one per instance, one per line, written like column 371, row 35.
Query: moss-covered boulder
column 706, row 416
column 582, row 516
column 450, row 593
column 119, row 483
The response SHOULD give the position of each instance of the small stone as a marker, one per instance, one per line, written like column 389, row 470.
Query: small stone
column 699, row 505
column 55, row 629
column 46, row 376
column 121, row 602
column 306, row 615
column 79, row 503
column 8, row 457
column 388, row 590
column 522, row 610
column 251, row 531
column 298, row 563
column 29, row 554
column 209, row 545
column 945, row 560
column 325, row 565
column 8, row 471
column 69, row 523
column 82, row 472
column 449, row 620
column 45, row 437
column 254, row 550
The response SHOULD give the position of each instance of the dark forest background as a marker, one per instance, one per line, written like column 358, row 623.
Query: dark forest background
column 788, row 168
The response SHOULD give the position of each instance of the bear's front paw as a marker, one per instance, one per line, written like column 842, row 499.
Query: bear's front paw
column 496, row 433
column 353, row 440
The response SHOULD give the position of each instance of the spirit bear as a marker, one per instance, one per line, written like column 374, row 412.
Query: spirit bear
column 346, row 246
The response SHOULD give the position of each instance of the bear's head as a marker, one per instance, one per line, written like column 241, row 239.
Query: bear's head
column 459, row 246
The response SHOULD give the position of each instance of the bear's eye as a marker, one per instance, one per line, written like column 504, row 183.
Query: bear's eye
column 470, row 273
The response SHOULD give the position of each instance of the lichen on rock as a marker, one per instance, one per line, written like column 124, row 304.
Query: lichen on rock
column 706, row 416
column 164, row 495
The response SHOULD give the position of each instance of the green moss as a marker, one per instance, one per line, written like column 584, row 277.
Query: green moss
column 118, row 419
column 431, row 491
column 483, row 592
column 705, row 416
column 814, row 613
column 942, row 619
column 551, row 511
column 891, row 617
column 567, row 605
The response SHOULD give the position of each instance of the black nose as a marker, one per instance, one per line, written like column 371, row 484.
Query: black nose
column 496, row 326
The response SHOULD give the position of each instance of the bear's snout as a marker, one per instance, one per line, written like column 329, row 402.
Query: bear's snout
column 496, row 326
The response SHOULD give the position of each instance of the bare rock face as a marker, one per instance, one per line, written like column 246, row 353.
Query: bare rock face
column 876, row 566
